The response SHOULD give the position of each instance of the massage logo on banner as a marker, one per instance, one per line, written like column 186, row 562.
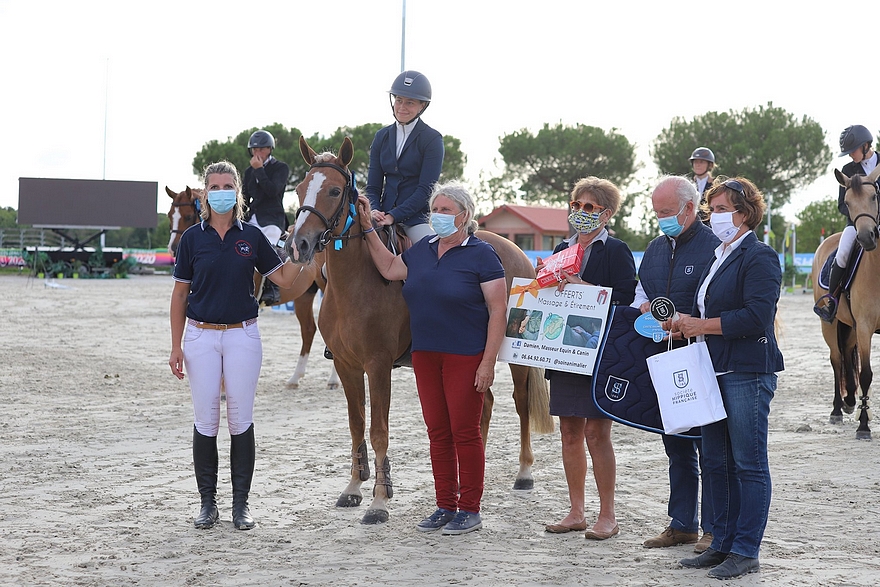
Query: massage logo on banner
column 559, row 330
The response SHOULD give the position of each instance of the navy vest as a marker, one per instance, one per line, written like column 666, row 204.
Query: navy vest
column 675, row 273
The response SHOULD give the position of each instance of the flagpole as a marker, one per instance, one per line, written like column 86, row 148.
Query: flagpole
column 403, row 38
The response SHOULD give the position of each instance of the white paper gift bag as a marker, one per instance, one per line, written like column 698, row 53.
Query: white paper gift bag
column 687, row 389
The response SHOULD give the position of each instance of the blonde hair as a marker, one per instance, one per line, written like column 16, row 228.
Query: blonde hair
column 223, row 167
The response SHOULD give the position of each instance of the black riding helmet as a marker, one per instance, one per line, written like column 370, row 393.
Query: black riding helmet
column 261, row 138
column 703, row 153
column 411, row 84
column 853, row 137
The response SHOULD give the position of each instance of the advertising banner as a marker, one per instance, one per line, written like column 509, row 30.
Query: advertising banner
column 559, row 330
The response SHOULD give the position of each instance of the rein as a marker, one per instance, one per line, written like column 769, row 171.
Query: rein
column 349, row 196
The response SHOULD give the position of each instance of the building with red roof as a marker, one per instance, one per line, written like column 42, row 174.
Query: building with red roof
column 530, row 227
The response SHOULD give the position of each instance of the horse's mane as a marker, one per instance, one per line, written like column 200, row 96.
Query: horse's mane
column 856, row 182
column 325, row 157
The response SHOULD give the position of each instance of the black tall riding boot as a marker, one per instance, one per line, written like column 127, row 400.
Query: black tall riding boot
column 242, row 455
column 271, row 294
column 205, row 465
column 826, row 306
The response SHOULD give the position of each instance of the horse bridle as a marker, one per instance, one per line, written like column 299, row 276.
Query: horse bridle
column 349, row 195
column 196, row 210
column 876, row 217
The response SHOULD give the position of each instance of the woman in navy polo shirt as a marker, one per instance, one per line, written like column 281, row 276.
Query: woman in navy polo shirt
column 457, row 298
column 214, row 312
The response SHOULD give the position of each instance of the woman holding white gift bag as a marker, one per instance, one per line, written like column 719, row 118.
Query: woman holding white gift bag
column 606, row 261
column 734, row 311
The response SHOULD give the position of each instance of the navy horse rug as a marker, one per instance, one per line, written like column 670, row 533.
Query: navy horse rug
column 622, row 387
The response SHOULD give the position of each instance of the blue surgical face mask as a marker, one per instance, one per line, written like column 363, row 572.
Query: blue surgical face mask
column 585, row 222
column 670, row 225
column 222, row 201
column 444, row 224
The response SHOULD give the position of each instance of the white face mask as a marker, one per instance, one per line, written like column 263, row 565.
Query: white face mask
column 723, row 227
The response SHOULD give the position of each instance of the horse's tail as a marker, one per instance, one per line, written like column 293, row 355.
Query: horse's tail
column 539, row 402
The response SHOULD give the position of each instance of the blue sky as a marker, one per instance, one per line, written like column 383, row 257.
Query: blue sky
column 180, row 74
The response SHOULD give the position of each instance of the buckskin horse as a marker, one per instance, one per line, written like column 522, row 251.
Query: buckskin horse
column 365, row 322
column 184, row 213
column 858, row 314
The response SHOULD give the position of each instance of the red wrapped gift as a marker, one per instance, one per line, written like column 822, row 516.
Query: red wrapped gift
column 568, row 260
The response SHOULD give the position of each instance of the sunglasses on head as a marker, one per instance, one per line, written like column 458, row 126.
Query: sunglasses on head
column 735, row 186
column 586, row 207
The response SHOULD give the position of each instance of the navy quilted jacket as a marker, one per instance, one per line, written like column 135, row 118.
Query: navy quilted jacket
column 675, row 272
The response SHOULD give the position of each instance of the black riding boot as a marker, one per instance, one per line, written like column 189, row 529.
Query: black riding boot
column 205, row 465
column 271, row 294
column 826, row 306
column 242, row 456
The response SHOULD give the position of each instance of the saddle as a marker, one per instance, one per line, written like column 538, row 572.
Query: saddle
column 394, row 238
column 852, row 266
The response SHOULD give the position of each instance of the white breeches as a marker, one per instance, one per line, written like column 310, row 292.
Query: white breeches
column 418, row 232
column 844, row 247
column 232, row 357
column 270, row 231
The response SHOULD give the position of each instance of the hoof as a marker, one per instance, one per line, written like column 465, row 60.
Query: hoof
column 373, row 517
column 524, row 485
column 349, row 501
column 835, row 419
column 863, row 435
column 849, row 409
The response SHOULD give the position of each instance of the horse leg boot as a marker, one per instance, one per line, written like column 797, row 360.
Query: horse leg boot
column 242, row 455
column 826, row 306
column 205, row 465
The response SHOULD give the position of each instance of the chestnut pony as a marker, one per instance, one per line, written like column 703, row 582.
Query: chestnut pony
column 858, row 314
column 365, row 322
column 184, row 213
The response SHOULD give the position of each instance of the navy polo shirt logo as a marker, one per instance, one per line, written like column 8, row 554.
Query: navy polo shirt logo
column 689, row 270
column 243, row 248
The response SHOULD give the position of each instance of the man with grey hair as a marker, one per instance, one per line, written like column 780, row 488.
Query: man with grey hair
column 671, row 267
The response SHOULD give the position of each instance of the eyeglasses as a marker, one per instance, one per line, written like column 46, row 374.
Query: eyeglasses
column 735, row 186
column 587, row 207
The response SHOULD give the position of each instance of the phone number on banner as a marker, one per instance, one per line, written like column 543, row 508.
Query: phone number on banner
column 536, row 358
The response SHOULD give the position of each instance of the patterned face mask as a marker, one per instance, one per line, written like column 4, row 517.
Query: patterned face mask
column 585, row 222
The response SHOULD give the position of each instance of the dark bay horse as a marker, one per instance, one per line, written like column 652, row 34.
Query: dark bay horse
column 365, row 322
column 184, row 213
column 858, row 314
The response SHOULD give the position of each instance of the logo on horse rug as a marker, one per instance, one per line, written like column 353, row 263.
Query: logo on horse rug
column 615, row 388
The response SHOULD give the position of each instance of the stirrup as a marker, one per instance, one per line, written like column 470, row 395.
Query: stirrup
column 826, row 307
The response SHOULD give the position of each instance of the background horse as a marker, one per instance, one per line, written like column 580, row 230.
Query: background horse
column 858, row 314
column 184, row 213
column 365, row 322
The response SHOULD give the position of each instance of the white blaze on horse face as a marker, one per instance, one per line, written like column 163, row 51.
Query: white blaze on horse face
column 175, row 223
column 311, row 198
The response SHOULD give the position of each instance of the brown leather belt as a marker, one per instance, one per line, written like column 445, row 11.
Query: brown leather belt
column 209, row 326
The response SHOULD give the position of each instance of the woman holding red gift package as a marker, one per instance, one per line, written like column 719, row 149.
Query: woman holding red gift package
column 608, row 262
